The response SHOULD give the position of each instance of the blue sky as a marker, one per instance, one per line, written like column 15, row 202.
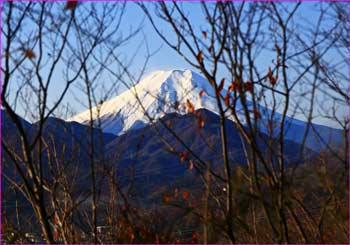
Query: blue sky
column 166, row 58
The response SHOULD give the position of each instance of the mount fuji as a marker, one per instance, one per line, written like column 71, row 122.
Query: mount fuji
column 163, row 92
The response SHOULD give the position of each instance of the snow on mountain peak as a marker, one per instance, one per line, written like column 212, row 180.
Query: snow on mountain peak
column 160, row 92
column 164, row 92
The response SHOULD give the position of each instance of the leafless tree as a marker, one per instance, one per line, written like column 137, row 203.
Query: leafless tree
column 50, row 48
column 232, row 41
column 265, row 200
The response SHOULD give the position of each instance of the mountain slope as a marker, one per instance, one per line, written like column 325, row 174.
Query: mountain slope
column 151, row 156
column 65, row 142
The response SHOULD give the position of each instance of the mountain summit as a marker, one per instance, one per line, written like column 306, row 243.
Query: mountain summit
column 160, row 92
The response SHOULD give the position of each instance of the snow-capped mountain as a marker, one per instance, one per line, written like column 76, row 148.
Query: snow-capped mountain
column 161, row 92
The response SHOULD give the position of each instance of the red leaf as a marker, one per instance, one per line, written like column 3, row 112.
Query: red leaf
column 29, row 53
column 200, row 122
column 269, row 73
column 121, row 224
column 211, row 47
column 71, row 5
column 200, row 56
column 204, row 34
column 194, row 237
column 201, row 93
column 278, row 63
column 221, row 86
column 237, row 83
column 278, row 50
column 185, row 195
column 168, row 123
column 248, row 86
column 232, row 87
column 273, row 81
column 191, row 164
column 190, row 106
column 183, row 156
column 56, row 219
column 166, row 199
column 257, row 114
column 227, row 99
column 56, row 234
